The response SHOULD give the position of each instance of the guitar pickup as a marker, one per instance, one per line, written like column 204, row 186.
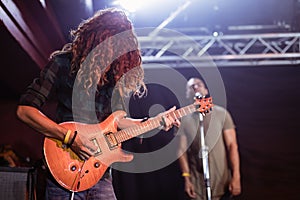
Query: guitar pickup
column 98, row 151
column 111, row 140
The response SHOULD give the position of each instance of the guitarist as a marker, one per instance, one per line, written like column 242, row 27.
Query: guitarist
column 103, row 62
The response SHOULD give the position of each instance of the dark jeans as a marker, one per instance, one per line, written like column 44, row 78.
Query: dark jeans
column 103, row 190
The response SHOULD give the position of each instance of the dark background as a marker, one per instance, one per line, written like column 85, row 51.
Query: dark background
column 263, row 100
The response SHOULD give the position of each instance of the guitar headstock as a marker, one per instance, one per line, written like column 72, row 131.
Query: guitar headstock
column 203, row 104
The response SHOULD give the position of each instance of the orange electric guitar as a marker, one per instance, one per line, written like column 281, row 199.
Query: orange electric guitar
column 77, row 175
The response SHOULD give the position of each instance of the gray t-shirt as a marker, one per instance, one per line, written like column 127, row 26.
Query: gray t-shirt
column 214, row 123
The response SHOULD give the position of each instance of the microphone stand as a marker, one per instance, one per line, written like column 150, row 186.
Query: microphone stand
column 203, row 153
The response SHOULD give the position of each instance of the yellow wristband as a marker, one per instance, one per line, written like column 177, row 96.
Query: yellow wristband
column 66, row 140
column 186, row 174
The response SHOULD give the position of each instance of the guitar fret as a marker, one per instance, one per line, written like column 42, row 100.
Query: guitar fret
column 119, row 136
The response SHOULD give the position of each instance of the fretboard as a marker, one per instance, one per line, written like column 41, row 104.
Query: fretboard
column 151, row 124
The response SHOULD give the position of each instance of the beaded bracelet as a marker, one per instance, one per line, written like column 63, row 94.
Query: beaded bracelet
column 186, row 174
column 67, row 137
column 73, row 138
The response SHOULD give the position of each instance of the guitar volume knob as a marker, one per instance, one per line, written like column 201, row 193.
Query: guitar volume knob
column 97, row 165
column 73, row 168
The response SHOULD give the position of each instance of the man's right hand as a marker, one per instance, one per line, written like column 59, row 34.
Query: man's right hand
column 189, row 188
column 83, row 147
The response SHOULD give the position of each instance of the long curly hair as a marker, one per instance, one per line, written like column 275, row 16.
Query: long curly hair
column 105, row 50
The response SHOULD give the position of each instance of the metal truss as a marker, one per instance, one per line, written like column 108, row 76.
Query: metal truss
column 178, row 49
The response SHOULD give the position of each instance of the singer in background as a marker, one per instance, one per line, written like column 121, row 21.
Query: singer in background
column 223, row 155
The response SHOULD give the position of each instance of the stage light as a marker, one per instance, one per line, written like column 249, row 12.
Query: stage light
column 129, row 5
column 215, row 34
column 43, row 2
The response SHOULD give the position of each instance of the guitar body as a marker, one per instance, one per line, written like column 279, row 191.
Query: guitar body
column 75, row 174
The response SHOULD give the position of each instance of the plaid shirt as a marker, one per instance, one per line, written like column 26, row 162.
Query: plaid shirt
column 56, row 83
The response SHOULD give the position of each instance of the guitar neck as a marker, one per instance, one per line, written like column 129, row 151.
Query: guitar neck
column 151, row 124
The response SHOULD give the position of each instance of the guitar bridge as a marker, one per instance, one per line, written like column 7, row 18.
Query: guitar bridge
column 111, row 140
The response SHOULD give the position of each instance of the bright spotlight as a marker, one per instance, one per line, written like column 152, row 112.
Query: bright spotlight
column 215, row 34
column 129, row 5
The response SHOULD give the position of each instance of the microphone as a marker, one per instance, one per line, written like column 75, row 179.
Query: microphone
column 198, row 95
